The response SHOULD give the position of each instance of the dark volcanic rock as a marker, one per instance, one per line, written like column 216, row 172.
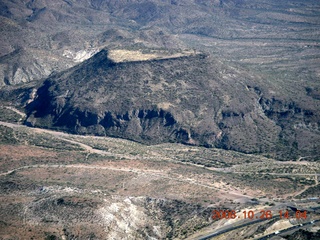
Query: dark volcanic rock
column 191, row 99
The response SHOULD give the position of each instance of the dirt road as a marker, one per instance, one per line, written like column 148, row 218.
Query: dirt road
column 89, row 149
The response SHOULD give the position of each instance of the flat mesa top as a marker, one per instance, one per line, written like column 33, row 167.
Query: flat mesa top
column 124, row 55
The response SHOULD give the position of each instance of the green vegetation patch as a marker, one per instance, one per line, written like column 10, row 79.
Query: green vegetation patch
column 7, row 115
column 7, row 135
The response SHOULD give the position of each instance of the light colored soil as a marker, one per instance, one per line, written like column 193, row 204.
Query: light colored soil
column 123, row 55
column 133, row 163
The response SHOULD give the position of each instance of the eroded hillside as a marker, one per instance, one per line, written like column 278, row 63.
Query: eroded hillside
column 190, row 99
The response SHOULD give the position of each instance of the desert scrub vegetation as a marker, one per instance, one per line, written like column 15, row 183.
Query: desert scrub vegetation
column 310, row 192
column 208, row 157
column 27, row 136
column 7, row 115
column 114, row 145
column 269, row 184
column 7, row 135
column 46, row 141
column 278, row 167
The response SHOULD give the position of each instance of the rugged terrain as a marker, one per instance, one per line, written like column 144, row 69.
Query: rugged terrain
column 60, row 186
column 192, row 99
column 40, row 37
column 137, row 119
column 249, row 81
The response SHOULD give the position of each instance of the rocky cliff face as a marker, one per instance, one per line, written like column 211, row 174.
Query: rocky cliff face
column 190, row 99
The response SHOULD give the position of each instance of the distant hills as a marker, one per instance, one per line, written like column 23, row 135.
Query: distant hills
column 41, row 37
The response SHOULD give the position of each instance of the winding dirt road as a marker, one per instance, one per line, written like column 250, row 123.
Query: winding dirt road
column 90, row 150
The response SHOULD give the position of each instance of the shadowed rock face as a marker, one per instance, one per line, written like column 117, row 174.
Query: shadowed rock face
column 135, row 100
column 185, row 99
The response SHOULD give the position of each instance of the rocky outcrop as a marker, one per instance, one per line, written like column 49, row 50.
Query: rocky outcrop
column 184, row 99
column 22, row 66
